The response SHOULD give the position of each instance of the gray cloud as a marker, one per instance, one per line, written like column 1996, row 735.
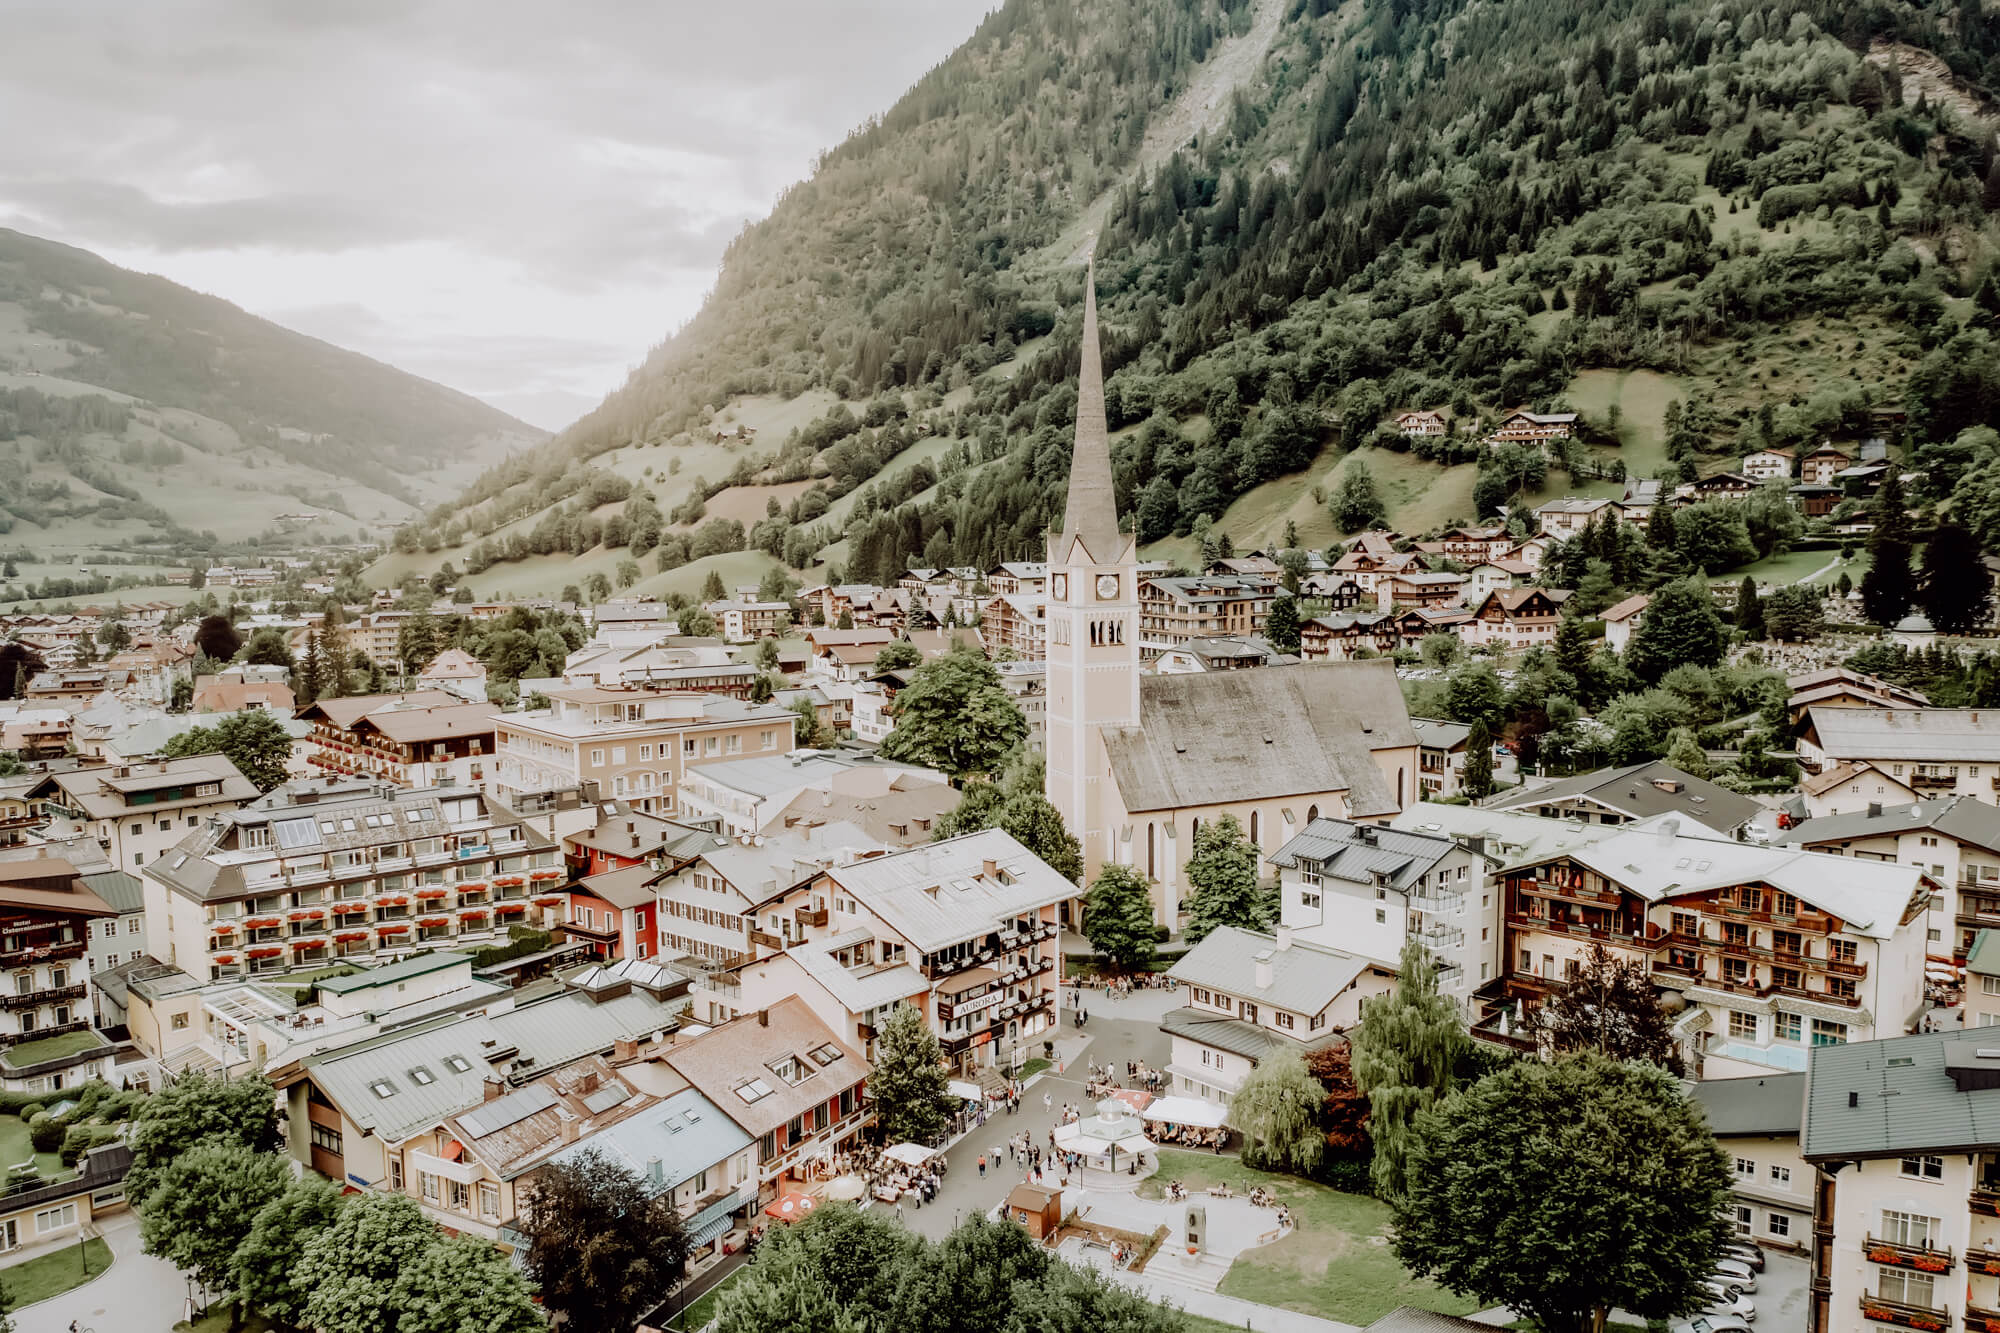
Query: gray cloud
column 523, row 196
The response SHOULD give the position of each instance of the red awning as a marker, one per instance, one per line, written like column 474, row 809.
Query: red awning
column 396, row 928
column 791, row 1207
column 472, row 913
column 453, row 1151
column 431, row 921
column 265, row 953
column 349, row 937
column 225, row 958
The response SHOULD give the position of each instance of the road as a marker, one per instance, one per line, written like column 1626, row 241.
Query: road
column 137, row 1294
column 1119, row 1030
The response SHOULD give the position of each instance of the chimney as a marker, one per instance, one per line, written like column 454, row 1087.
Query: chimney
column 1874, row 809
column 570, row 1125
column 763, row 1018
column 1263, row 976
column 625, row 1048
column 989, row 868
column 1284, row 938
column 1669, row 830
column 496, row 1087
column 1365, row 833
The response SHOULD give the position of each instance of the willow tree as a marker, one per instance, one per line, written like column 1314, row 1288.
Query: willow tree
column 1405, row 1048
column 1277, row 1108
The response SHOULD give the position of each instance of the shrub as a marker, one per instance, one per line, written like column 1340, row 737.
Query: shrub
column 1349, row 1175
column 80, row 1139
column 46, row 1132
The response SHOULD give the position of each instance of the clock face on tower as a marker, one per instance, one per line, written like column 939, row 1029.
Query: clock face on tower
column 1062, row 587
column 1107, row 587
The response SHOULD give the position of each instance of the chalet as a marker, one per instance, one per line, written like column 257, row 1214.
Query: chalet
column 413, row 740
column 1470, row 545
column 1414, row 626
column 1723, row 486
column 1367, row 567
column 1534, row 428
column 1768, row 464
column 1815, row 501
column 1519, row 617
column 1489, row 575
column 1840, row 687
column 1621, row 621
column 1861, row 479
column 1019, row 576
column 1174, row 612
column 1570, row 515
column 1640, row 791
column 1418, row 425
column 1016, row 626
column 1342, row 593
column 1220, row 654
column 1419, row 589
column 1818, row 467
column 1641, row 498
column 1345, row 635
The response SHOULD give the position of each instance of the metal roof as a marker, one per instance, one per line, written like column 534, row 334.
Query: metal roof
column 1634, row 792
column 1966, row 734
column 1358, row 852
column 1236, row 1036
column 1305, row 978
column 1983, row 958
column 687, row 1134
column 389, row 973
column 1962, row 818
column 937, row 894
column 1895, row 1097
column 1772, row 1104
column 496, row 1115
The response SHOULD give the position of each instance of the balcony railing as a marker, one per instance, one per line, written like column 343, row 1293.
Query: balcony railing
column 1981, row 1320
column 34, row 999
column 1985, row 1202
column 1931, row 780
column 53, row 1030
column 812, row 916
column 1928, row 1318
column 1923, row 1258
column 47, row 953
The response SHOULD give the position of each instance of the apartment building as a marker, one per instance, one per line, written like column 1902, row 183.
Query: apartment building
column 971, row 919
column 1934, row 751
column 743, row 619
column 1775, row 951
column 424, row 739
column 1956, row 839
column 1756, row 1122
column 1025, row 576
column 1565, row 518
column 1015, row 626
column 1906, row 1202
column 1363, row 891
column 1982, row 981
column 318, row 871
column 1173, row 612
column 137, row 811
column 636, row 745
column 1250, row 995
column 1343, row 636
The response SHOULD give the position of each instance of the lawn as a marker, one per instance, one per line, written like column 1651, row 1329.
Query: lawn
column 1796, row 566
column 56, row 1272
column 1336, row 1263
column 15, row 1147
column 217, row 1320
column 703, row 1310
column 51, row 1048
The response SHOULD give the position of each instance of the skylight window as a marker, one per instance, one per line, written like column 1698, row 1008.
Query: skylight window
column 422, row 1077
column 754, row 1091
column 295, row 832
column 382, row 1088
column 458, row 1064
column 690, row 1115
column 824, row 1054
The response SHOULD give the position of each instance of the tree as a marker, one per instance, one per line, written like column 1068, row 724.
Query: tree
column 696, row 622
column 269, row 647
column 195, row 1109
column 1609, row 1007
column 253, row 740
column 1343, row 1111
column 1478, row 780
column 602, row 1247
column 203, row 1206
column 1686, row 754
column 215, row 637
column 1889, row 588
column 114, row 637
column 1281, row 625
column 628, row 572
column 1566, row 1190
column 265, row 1262
column 1277, row 1109
column 1223, row 874
column 1035, row 823
column 1957, row 594
column 955, row 716
column 349, row 1270
column 1404, row 1051
column 1473, row 692
column 19, row 664
column 711, row 587
column 1118, row 918
column 1792, row 613
column 462, row 1284
column 908, row 1086
column 811, row 733
column 1357, row 505
column 1680, row 627
column 1749, row 609
column 597, row 586
column 898, row 656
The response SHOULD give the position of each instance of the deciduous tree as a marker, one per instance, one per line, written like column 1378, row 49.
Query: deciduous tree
column 898, row 656
column 196, row 1109
column 1223, row 874
column 215, row 637
column 1680, row 628
column 1609, row 1007
column 266, row 1262
column 1405, row 1048
column 955, row 716
column 253, row 740
column 1565, row 1191
column 203, row 1205
column 1118, row 918
column 349, row 1270
column 1277, row 1109
column 1357, row 505
column 603, row 1248
column 907, row 1087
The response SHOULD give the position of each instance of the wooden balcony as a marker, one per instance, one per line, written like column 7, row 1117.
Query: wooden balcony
column 812, row 916
column 1934, row 781
column 47, row 953
column 1979, row 1259
column 764, row 941
column 1923, row 1258
column 1984, row 1202
column 1923, row 1317
column 35, row 999
column 1982, row 1320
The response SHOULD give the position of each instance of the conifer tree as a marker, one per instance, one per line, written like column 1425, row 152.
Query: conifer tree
column 908, row 1086
column 1479, row 762
column 1749, row 609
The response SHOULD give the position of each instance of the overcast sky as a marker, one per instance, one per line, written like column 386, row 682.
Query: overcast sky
column 516, row 199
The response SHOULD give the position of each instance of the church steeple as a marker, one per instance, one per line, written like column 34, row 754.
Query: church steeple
column 1091, row 512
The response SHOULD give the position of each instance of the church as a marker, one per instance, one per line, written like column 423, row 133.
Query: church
column 1137, row 762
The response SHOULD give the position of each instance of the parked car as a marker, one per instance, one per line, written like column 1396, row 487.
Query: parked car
column 1735, row 1274
column 1707, row 1323
column 1744, row 1252
column 1727, row 1303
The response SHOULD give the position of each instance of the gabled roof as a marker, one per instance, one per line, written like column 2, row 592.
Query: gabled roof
column 686, row 1135
column 1898, row 1096
column 1626, row 609
column 1236, row 1036
column 1305, row 978
column 727, row 1063
column 1364, row 853
column 939, row 893
column 412, row 725
column 1653, row 788
column 342, row 714
column 1948, row 734
column 1815, row 784
column 1770, row 1104
column 630, row 886
column 1983, row 958
column 1218, row 738
column 1961, row 818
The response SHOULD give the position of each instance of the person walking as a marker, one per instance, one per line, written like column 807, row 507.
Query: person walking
column 1048, row 1102
column 982, row 1166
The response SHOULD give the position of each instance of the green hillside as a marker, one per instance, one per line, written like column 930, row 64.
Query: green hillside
column 135, row 412
column 1706, row 227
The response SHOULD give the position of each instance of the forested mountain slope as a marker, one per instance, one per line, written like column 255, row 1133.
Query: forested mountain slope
column 136, row 410
column 1733, row 214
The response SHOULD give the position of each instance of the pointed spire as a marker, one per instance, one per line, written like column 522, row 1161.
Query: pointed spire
column 1091, row 512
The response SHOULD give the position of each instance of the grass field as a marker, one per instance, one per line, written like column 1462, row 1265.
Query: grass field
column 15, row 1147
column 56, row 1272
column 1335, row 1264
column 1641, row 397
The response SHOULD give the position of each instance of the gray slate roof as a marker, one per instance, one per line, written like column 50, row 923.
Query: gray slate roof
column 1217, row 738
column 1631, row 792
column 1305, row 978
column 1962, row 818
column 1921, row 734
column 1340, row 849
column 1236, row 1036
column 1772, row 1104
column 122, row 891
column 1906, row 1100
column 687, row 1133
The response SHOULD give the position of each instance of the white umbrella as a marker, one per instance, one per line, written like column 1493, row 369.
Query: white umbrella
column 966, row 1092
column 1185, row 1111
column 846, row 1189
column 910, row 1154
